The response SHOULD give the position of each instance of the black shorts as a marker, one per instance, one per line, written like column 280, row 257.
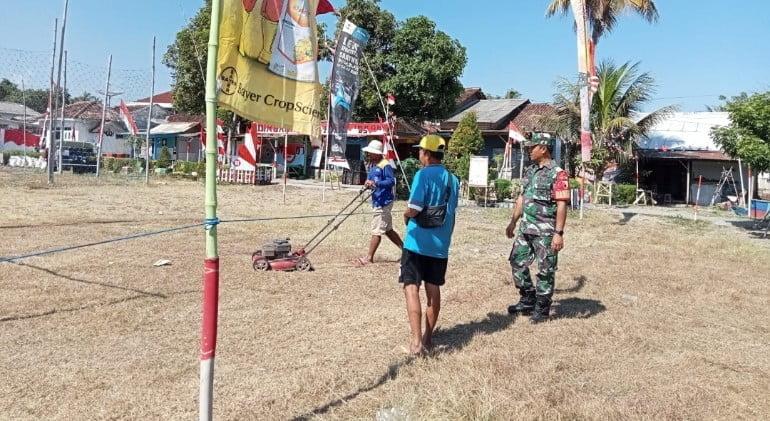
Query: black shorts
column 416, row 268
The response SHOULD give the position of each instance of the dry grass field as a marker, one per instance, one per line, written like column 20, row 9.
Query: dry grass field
column 655, row 317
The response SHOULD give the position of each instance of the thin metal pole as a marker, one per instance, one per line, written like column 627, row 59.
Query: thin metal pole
column 61, row 119
column 742, row 201
column 24, row 123
column 211, row 263
column 58, row 77
column 149, row 120
column 285, row 164
column 49, row 140
column 104, row 116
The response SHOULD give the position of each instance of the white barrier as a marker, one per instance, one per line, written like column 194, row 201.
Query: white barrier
column 262, row 175
column 26, row 161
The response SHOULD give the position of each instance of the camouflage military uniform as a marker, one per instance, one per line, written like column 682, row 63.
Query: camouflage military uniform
column 541, row 188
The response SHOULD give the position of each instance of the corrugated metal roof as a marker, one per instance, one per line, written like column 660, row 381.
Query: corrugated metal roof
column 174, row 128
column 685, row 131
column 690, row 155
column 17, row 109
column 489, row 110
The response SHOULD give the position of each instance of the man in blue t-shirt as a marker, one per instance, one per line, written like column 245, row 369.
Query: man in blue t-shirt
column 382, row 180
column 426, row 250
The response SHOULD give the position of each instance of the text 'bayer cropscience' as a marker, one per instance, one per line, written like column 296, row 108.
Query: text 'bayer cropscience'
column 272, row 101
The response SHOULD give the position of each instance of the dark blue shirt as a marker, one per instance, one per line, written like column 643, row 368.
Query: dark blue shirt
column 384, row 178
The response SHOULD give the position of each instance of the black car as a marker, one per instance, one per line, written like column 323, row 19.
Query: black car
column 76, row 156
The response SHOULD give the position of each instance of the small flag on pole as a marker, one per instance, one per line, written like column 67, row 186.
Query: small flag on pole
column 515, row 134
column 127, row 118
column 391, row 99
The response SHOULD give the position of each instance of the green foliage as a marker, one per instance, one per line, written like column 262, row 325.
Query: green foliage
column 503, row 188
column 428, row 64
column 186, row 58
column 623, row 194
column 622, row 94
column 603, row 14
column 410, row 167
column 164, row 160
column 185, row 167
column 200, row 168
column 465, row 141
column 413, row 60
column 36, row 99
column 748, row 134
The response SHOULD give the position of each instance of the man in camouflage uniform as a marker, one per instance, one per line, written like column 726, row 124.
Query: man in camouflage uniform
column 542, row 207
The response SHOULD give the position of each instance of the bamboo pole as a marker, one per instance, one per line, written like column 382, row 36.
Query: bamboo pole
column 49, row 140
column 58, row 78
column 211, row 263
column 104, row 115
column 285, row 164
column 61, row 120
column 149, row 121
column 24, row 123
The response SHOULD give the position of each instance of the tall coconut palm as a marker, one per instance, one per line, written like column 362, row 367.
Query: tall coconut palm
column 603, row 14
column 617, row 119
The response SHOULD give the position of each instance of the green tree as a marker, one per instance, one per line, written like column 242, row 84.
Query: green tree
column 7, row 89
column 748, row 134
column 512, row 94
column 85, row 96
column 414, row 61
column 36, row 99
column 603, row 14
column 617, row 119
column 465, row 141
column 164, row 159
column 186, row 58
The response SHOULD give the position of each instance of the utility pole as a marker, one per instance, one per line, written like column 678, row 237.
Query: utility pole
column 49, row 135
column 104, row 115
column 149, row 121
column 61, row 121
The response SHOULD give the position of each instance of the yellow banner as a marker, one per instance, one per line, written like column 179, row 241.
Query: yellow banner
column 266, row 66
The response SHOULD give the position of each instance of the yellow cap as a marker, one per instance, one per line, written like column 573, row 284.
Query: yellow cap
column 433, row 143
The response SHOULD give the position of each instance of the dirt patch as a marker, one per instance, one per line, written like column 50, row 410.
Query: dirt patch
column 655, row 318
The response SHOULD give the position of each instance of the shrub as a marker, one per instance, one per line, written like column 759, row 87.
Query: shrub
column 503, row 188
column 623, row 194
column 164, row 160
column 200, row 168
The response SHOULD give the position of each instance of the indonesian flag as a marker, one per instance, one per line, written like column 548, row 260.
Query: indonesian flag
column 221, row 138
column 515, row 134
column 128, row 119
column 390, row 152
column 325, row 7
column 391, row 99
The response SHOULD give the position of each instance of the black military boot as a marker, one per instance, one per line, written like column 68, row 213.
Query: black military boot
column 542, row 309
column 526, row 303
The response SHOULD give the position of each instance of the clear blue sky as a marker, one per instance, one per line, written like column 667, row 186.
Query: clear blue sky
column 697, row 51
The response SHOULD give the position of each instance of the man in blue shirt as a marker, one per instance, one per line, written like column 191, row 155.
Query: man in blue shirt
column 382, row 179
column 426, row 249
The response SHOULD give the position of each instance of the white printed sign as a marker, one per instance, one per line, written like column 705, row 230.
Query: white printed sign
column 479, row 169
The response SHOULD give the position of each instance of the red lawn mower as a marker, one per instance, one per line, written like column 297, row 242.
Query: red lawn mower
column 277, row 255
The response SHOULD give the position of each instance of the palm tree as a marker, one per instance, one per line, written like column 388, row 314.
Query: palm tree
column 603, row 14
column 616, row 112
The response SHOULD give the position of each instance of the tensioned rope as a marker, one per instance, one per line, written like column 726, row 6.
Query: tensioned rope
column 207, row 224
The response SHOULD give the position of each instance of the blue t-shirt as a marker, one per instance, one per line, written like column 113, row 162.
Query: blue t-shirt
column 429, row 188
column 384, row 177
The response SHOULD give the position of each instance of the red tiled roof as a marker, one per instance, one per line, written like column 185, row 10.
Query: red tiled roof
column 88, row 110
column 531, row 116
column 186, row 118
column 469, row 94
column 163, row 97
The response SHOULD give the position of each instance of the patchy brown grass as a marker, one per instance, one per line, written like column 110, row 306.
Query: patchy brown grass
column 656, row 318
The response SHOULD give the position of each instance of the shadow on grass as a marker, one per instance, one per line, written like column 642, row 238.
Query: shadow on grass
column 758, row 228
column 577, row 308
column 444, row 340
column 626, row 218
column 580, row 282
column 140, row 294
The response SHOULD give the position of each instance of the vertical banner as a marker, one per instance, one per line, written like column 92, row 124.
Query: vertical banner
column 266, row 64
column 579, row 11
column 344, row 87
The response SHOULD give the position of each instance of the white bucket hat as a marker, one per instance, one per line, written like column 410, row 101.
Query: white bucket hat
column 375, row 147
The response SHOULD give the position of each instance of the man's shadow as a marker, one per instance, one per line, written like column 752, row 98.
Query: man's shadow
column 626, row 218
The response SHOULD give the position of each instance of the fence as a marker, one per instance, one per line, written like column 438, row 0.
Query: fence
column 262, row 175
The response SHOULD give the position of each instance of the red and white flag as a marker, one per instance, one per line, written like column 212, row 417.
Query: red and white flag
column 389, row 152
column 391, row 99
column 221, row 138
column 128, row 119
column 515, row 134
